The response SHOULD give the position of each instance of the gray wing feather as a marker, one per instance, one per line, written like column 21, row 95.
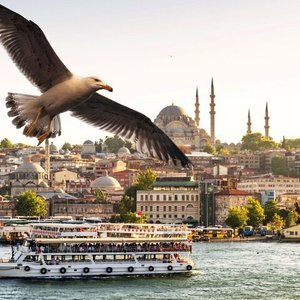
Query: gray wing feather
column 130, row 124
column 30, row 50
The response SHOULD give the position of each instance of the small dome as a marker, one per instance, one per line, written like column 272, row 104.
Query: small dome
column 88, row 142
column 123, row 151
column 29, row 167
column 105, row 182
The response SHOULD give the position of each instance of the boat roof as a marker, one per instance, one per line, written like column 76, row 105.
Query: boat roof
column 107, row 240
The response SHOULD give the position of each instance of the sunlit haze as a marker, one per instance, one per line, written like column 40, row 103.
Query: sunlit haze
column 155, row 53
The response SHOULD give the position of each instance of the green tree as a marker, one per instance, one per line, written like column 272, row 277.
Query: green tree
column 99, row 146
column 256, row 141
column 145, row 180
column 30, row 204
column 113, row 144
column 237, row 217
column 127, row 204
column 4, row 190
column 101, row 196
column 292, row 218
column 277, row 222
column 291, row 144
column 211, row 149
column 255, row 213
column 67, row 146
column 271, row 208
column 6, row 143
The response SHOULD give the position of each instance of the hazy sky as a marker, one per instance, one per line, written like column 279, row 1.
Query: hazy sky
column 156, row 52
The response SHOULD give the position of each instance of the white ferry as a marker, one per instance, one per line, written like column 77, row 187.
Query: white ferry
column 107, row 249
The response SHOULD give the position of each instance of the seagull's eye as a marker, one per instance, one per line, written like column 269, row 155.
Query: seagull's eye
column 96, row 79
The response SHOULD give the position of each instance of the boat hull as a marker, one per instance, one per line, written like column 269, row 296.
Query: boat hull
column 11, row 270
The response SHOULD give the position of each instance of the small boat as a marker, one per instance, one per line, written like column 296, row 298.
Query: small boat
column 106, row 249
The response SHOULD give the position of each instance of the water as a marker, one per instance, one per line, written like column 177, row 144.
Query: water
column 247, row 270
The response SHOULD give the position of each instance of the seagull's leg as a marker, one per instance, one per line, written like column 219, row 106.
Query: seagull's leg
column 32, row 126
column 46, row 134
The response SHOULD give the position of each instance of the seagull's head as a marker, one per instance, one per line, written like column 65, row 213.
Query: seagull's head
column 97, row 84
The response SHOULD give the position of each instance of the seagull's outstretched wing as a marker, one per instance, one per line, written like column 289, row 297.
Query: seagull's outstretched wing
column 28, row 47
column 119, row 119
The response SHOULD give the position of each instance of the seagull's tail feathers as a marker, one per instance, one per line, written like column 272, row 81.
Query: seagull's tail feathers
column 24, row 109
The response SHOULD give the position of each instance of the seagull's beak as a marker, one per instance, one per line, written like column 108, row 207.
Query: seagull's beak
column 105, row 86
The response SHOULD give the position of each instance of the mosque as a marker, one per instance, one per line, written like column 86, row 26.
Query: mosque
column 185, row 130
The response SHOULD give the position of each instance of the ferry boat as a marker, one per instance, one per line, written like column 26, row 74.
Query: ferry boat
column 106, row 249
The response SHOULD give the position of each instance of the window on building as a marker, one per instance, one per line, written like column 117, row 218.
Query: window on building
column 170, row 197
column 157, row 197
column 182, row 216
column 170, row 208
column 170, row 216
column 150, row 207
column 142, row 197
column 192, row 197
column 182, row 207
column 183, row 197
column 164, row 216
column 151, row 197
column 157, row 216
column 151, row 216
column 142, row 208
column 146, row 197
column 175, row 197
column 175, row 216
column 188, row 197
column 146, row 208
column 165, row 197
column 175, row 208
column 165, row 208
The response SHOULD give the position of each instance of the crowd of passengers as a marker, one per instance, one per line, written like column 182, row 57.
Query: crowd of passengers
column 112, row 247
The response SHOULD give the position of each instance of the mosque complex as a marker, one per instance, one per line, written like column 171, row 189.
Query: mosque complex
column 186, row 131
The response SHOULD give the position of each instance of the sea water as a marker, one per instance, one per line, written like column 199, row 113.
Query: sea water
column 227, row 270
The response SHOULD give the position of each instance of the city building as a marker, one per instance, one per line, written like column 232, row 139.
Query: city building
column 172, row 200
column 265, row 183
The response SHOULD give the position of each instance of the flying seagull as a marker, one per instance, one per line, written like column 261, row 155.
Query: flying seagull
column 62, row 91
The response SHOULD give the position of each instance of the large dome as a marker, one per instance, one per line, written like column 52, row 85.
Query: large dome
column 172, row 111
column 105, row 182
column 29, row 167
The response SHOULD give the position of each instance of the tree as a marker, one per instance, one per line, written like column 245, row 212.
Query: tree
column 113, row 144
column 145, row 180
column 292, row 218
column 255, row 213
column 6, row 143
column 101, row 196
column 4, row 190
column 256, row 141
column 279, row 166
column 271, row 208
column 30, row 204
column 237, row 217
column 67, row 146
column 99, row 146
column 127, row 204
column 211, row 149
column 277, row 222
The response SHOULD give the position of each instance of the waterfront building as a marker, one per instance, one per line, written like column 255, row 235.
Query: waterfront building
column 172, row 200
column 292, row 233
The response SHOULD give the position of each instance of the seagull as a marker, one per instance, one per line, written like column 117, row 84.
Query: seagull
column 62, row 91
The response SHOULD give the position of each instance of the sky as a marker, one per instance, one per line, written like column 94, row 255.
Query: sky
column 155, row 53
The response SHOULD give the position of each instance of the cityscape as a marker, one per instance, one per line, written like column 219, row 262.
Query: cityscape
column 166, row 166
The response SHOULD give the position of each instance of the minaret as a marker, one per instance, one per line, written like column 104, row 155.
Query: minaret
column 249, row 123
column 47, row 159
column 267, row 126
column 212, row 113
column 197, row 111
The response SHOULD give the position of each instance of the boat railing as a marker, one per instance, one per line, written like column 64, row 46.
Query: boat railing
column 178, row 247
